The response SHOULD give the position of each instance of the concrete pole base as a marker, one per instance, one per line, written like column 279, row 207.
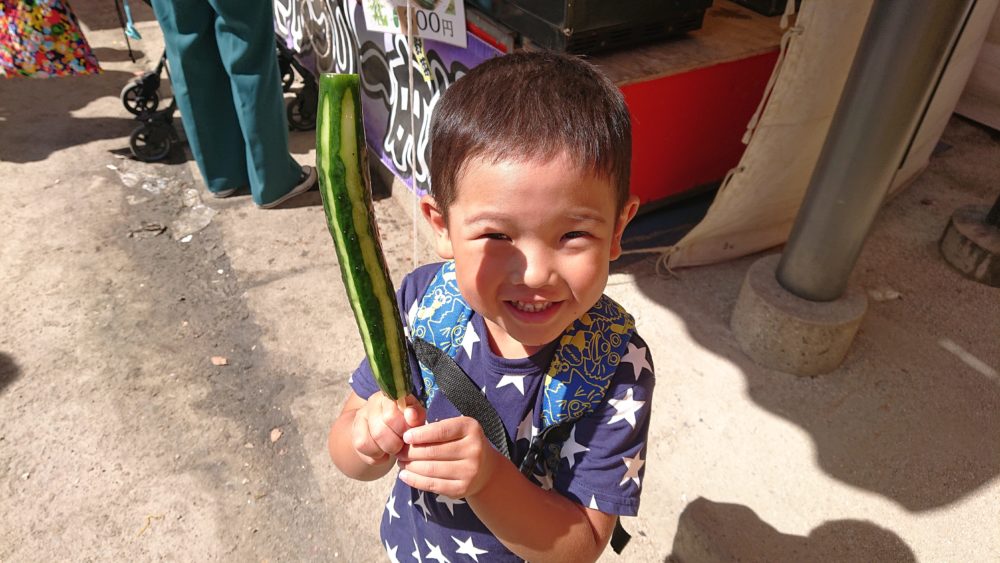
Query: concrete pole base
column 972, row 246
column 782, row 331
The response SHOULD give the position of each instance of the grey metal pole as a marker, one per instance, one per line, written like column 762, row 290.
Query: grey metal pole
column 900, row 58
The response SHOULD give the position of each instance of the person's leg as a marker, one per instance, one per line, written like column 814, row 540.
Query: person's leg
column 201, row 86
column 244, row 32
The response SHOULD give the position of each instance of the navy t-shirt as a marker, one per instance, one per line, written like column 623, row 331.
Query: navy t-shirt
column 602, row 462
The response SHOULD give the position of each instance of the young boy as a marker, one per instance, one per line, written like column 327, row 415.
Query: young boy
column 530, row 168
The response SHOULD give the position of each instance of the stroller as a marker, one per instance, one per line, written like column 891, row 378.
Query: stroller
column 155, row 136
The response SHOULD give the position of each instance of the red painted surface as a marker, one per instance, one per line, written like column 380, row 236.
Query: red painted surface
column 482, row 34
column 687, row 128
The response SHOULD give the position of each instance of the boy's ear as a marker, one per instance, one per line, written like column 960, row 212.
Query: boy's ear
column 627, row 214
column 432, row 213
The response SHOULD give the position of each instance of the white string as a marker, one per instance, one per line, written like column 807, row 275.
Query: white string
column 413, row 133
column 782, row 50
column 789, row 12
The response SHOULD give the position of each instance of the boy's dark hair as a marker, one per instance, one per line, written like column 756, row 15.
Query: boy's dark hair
column 531, row 106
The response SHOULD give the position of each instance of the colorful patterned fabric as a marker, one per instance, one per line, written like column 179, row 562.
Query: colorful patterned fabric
column 42, row 38
column 441, row 319
column 587, row 357
column 601, row 464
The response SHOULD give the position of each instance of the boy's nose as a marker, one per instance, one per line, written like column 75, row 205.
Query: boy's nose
column 538, row 269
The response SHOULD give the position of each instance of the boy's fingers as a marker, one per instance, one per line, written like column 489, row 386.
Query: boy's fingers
column 391, row 417
column 386, row 438
column 433, row 451
column 415, row 416
column 364, row 444
column 430, row 484
column 433, row 469
column 447, row 430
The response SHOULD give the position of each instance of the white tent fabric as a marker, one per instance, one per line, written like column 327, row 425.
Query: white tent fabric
column 757, row 202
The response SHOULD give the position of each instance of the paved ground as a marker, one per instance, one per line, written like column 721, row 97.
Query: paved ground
column 120, row 440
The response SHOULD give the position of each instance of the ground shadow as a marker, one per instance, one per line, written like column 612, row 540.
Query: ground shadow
column 301, row 142
column 111, row 55
column 9, row 371
column 903, row 417
column 712, row 531
column 27, row 104
column 100, row 14
column 912, row 414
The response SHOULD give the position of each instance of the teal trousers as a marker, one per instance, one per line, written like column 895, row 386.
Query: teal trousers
column 224, row 74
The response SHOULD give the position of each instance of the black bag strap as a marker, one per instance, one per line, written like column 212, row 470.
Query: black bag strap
column 458, row 387
column 462, row 392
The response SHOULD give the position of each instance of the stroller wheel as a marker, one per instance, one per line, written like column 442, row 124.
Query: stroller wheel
column 135, row 101
column 301, row 116
column 151, row 142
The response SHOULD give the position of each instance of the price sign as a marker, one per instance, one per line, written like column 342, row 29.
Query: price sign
column 440, row 20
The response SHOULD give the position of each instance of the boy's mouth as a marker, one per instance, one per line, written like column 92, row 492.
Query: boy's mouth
column 531, row 307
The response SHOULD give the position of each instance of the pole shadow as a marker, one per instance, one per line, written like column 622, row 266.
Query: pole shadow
column 710, row 531
column 9, row 371
column 913, row 413
column 903, row 417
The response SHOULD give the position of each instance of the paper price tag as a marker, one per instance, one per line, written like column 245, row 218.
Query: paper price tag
column 440, row 20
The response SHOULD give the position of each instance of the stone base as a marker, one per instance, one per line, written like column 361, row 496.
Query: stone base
column 781, row 331
column 972, row 246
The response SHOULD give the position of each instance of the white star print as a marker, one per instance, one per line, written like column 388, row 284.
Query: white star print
column 450, row 503
column 468, row 548
column 416, row 552
column 390, row 507
column 392, row 552
column 435, row 553
column 633, row 465
column 420, row 502
column 626, row 408
column 637, row 357
column 469, row 339
column 515, row 380
column 527, row 429
column 571, row 447
column 593, row 503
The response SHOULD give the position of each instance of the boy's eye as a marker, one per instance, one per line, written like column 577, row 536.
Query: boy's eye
column 574, row 234
column 496, row 236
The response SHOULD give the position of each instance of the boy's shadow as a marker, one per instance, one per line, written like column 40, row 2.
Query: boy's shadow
column 712, row 531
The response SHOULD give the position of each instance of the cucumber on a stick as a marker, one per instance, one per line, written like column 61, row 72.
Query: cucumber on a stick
column 342, row 163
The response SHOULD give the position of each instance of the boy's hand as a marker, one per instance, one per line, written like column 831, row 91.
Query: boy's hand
column 451, row 457
column 378, row 427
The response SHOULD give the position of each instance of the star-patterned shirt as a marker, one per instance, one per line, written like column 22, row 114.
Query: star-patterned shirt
column 602, row 462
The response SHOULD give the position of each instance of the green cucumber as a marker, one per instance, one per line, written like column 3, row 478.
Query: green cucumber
column 342, row 163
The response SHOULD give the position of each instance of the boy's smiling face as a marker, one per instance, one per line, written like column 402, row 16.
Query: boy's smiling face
column 532, row 242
